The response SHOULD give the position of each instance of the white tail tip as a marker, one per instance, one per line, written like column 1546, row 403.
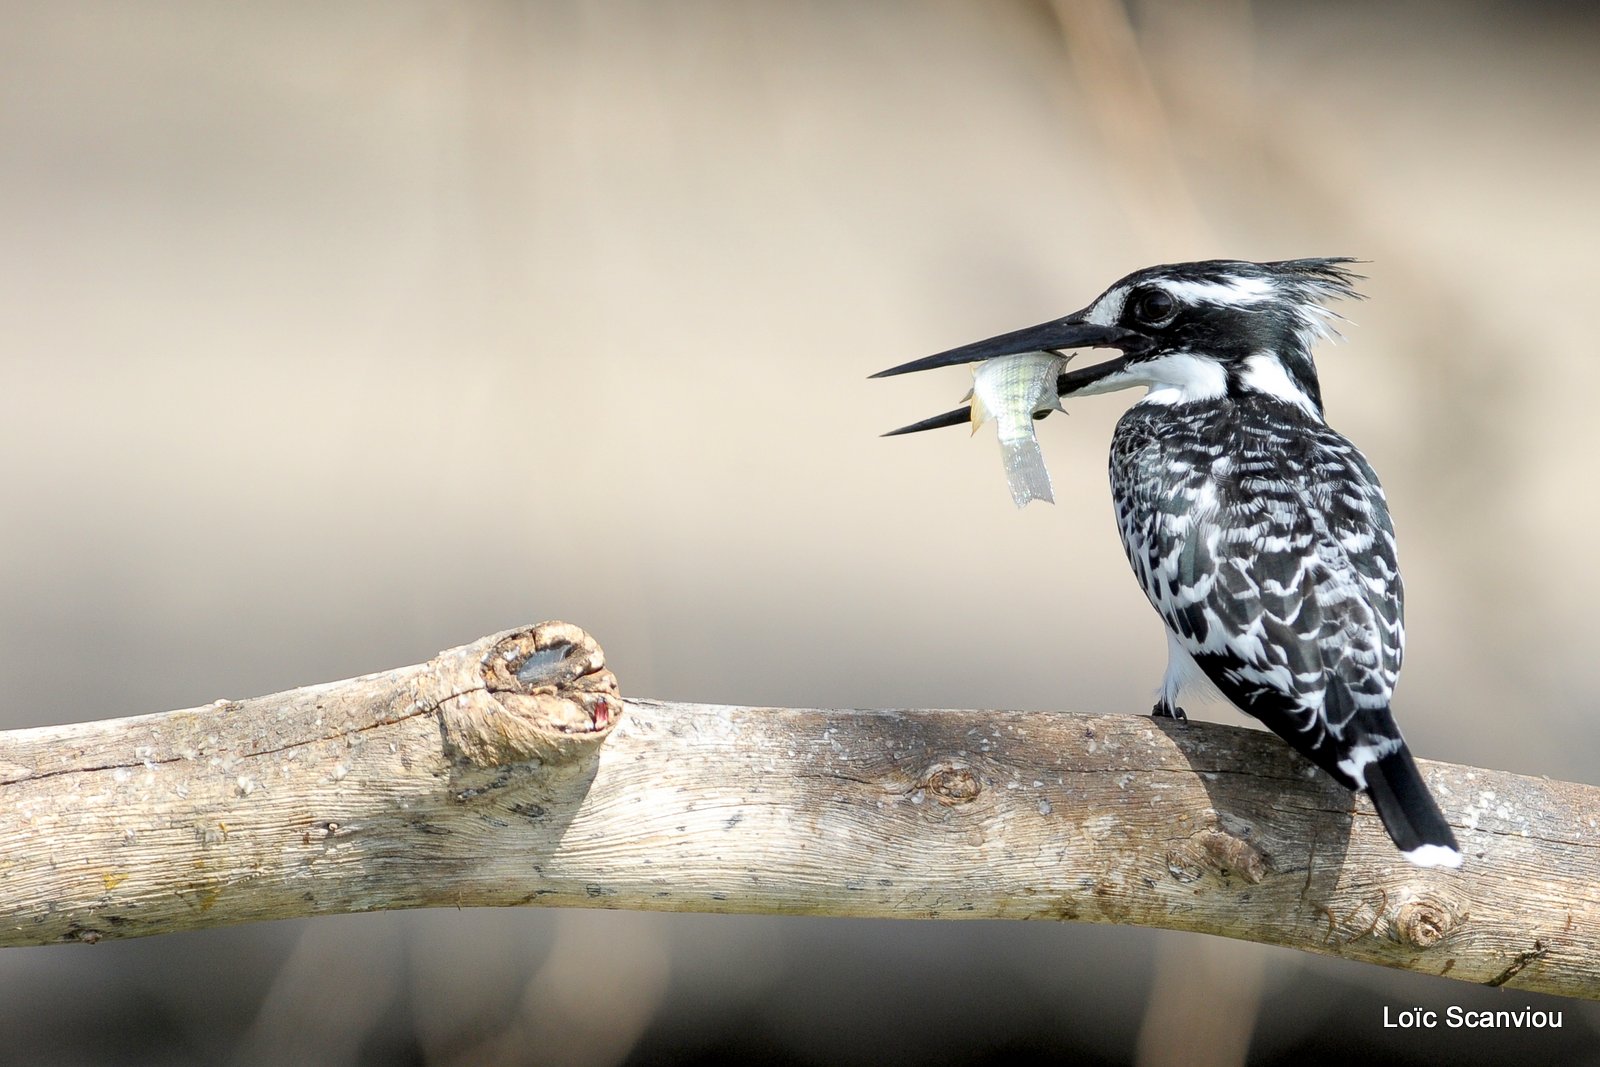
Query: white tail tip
column 1434, row 856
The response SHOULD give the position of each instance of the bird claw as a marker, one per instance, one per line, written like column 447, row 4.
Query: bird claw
column 1162, row 711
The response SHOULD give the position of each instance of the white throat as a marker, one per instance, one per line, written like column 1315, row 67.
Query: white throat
column 1175, row 378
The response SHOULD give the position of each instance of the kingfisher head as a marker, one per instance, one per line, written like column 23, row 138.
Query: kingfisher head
column 1188, row 332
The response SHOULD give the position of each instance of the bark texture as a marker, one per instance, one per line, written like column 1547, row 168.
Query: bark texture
column 480, row 778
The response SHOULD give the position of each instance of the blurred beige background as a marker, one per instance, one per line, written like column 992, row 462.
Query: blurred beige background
column 338, row 334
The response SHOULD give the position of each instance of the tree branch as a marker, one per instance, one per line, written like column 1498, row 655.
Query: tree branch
column 480, row 778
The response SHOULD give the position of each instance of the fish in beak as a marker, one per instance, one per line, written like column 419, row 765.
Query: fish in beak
column 1051, row 338
column 1013, row 391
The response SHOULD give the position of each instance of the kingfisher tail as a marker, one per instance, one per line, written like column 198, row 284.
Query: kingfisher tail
column 1409, row 811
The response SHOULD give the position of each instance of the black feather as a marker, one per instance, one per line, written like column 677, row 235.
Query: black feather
column 1404, row 804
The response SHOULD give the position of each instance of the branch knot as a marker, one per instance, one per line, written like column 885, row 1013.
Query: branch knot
column 536, row 695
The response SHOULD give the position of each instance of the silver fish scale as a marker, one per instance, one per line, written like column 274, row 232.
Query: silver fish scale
column 1266, row 545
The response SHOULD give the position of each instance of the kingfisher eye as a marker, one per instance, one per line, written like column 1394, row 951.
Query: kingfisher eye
column 1154, row 306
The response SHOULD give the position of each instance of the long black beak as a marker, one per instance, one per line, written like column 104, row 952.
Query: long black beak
column 1056, row 335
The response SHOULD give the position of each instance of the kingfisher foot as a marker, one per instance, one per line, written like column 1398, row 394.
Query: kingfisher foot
column 1162, row 711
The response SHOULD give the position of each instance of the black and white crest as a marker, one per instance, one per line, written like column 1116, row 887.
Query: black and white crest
column 1228, row 326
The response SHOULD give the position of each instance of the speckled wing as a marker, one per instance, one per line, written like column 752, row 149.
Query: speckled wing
column 1268, row 550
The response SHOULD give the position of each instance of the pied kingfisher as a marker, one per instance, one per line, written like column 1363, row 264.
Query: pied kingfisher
column 1260, row 535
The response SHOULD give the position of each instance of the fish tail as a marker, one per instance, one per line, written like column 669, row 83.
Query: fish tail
column 1025, row 471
